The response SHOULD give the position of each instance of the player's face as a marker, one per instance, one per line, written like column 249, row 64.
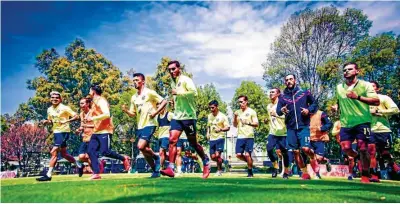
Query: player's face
column 273, row 94
column 350, row 71
column 375, row 87
column 213, row 108
column 173, row 70
column 290, row 81
column 242, row 103
column 83, row 104
column 138, row 82
column 55, row 99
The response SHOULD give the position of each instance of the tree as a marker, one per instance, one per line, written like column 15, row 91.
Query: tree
column 308, row 40
column 258, row 101
column 72, row 76
column 20, row 142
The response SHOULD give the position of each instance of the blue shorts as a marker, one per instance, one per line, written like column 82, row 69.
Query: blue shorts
column 60, row 139
column 244, row 145
column 318, row 147
column 163, row 143
column 183, row 143
column 189, row 126
column 217, row 145
column 359, row 132
column 146, row 133
column 381, row 140
column 83, row 148
column 298, row 138
column 277, row 142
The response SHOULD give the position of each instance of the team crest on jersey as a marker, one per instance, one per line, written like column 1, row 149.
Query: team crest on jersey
column 217, row 120
column 179, row 84
column 143, row 97
column 247, row 114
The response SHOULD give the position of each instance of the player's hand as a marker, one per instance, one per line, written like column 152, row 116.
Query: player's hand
column 124, row 108
column 273, row 113
column 152, row 115
column 174, row 92
column 352, row 95
column 285, row 110
column 266, row 120
column 304, row 111
column 334, row 108
column 64, row 122
column 217, row 130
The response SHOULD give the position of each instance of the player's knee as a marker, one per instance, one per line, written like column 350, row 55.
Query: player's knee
column 239, row 155
column 82, row 157
column 141, row 147
column 213, row 157
column 320, row 158
column 296, row 151
column 305, row 149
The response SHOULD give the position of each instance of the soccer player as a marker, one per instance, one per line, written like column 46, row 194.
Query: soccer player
column 102, row 131
column 184, row 119
column 381, row 139
column 354, row 98
column 144, row 108
column 59, row 115
column 86, row 129
column 245, row 120
column 277, row 135
column 217, row 125
column 297, row 104
column 164, row 124
column 319, row 128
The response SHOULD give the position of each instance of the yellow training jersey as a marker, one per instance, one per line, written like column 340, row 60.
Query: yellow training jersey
column 244, row 130
column 219, row 121
column 144, row 105
column 58, row 115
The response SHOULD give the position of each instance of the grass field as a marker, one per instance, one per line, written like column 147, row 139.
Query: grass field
column 230, row 188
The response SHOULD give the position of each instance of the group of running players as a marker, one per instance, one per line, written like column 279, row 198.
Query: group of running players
column 296, row 127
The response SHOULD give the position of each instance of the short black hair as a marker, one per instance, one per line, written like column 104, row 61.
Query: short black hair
column 294, row 76
column 243, row 96
column 213, row 102
column 376, row 84
column 351, row 63
column 139, row 75
column 177, row 64
column 96, row 88
column 279, row 91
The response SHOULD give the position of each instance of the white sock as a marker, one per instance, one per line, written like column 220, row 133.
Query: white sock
column 49, row 171
column 179, row 169
column 171, row 165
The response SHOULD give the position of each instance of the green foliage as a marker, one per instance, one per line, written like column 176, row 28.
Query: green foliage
column 258, row 101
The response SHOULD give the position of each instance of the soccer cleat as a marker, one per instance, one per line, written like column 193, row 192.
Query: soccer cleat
column 95, row 177
column 78, row 164
column 318, row 176
column 127, row 163
column 374, row 178
column 274, row 173
column 365, row 179
column 206, row 170
column 168, row 172
column 250, row 175
column 155, row 174
column 157, row 163
column 350, row 178
column 101, row 166
column 285, row 176
column 44, row 178
column 218, row 173
column 305, row 176
column 328, row 167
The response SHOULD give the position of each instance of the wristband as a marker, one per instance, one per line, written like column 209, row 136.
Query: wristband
column 359, row 98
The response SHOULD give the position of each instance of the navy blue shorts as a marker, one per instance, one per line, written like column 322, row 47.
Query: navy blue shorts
column 359, row 132
column 318, row 147
column 164, row 143
column 217, row 145
column 381, row 140
column 146, row 133
column 189, row 126
column 244, row 145
column 60, row 139
column 183, row 143
column 298, row 138
column 83, row 148
column 277, row 142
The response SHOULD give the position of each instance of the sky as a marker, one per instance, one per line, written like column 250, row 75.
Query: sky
column 219, row 42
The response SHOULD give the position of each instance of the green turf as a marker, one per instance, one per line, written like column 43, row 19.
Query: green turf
column 228, row 189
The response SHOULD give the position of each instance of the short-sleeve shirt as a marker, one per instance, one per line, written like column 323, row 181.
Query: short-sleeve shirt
column 219, row 121
column 144, row 105
column 185, row 100
column 249, row 115
column 59, row 114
